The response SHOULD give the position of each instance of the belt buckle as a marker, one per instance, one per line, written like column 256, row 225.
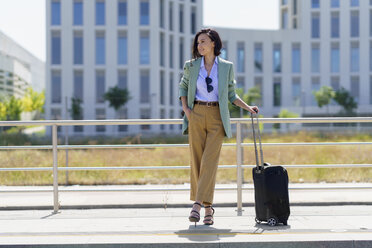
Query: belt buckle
column 209, row 104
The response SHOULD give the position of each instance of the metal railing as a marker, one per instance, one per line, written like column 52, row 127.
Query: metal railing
column 239, row 146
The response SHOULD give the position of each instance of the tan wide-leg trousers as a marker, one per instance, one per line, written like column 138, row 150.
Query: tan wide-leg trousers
column 206, row 134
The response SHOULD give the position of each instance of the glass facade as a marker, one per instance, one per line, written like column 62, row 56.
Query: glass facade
column 170, row 16
column 144, row 86
column 284, row 19
column 277, row 58
column 162, row 87
column 181, row 54
column 335, row 58
column 224, row 50
column 100, row 115
column 354, row 3
column 100, row 48
column 354, row 24
column 78, row 85
column 335, row 25
column 78, row 48
column 296, row 58
column 277, row 90
column 171, row 89
column 335, row 3
column 241, row 57
column 100, row 86
column 144, row 12
column 315, row 58
column 171, row 51
column 296, row 92
column 354, row 57
column 100, row 13
column 355, row 88
column 193, row 20
column 181, row 18
column 144, row 48
column 56, row 13
column 56, row 87
column 122, row 79
column 315, row 86
column 161, row 14
column 122, row 48
column 315, row 4
column 258, row 56
column 56, row 48
column 122, row 13
column 162, row 49
column 78, row 12
column 315, row 26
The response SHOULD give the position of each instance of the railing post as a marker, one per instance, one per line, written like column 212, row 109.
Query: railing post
column 239, row 168
column 55, row 169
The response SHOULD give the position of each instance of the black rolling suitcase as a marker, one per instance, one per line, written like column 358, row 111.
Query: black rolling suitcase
column 270, row 189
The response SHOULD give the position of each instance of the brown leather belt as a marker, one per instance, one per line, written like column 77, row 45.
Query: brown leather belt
column 209, row 104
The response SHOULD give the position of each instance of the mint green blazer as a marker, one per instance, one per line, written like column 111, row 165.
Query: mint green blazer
column 226, row 89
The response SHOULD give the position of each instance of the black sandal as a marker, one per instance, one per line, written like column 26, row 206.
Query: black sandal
column 195, row 215
column 208, row 219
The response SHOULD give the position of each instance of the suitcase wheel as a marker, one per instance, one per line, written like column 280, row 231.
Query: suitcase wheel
column 257, row 221
column 272, row 221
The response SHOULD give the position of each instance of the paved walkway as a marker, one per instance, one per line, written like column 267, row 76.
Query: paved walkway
column 326, row 218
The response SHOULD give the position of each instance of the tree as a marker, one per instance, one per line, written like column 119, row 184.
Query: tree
column 2, row 112
column 14, row 108
column 344, row 99
column 117, row 97
column 33, row 101
column 323, row 96
column 75, row 110
column 250, row 97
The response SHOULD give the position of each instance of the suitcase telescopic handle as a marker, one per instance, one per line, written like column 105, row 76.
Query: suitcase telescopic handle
column 255, row 143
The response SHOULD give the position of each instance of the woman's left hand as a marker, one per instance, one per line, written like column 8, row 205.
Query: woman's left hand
column 253, row 109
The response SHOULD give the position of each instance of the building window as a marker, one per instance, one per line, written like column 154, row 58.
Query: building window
column 56, row 87
column 335, row 58
column 370, row 23
column 335, row 25
column 122, row 79
column 181, row 18
column 315, row 26
column 296, row 58
column 193, row 20
column 315, row 4
column 354, row 88
column 122, row 114
column 100, row 12
column 171, row 51
column 100, row 86
column 145, row 114
column 224, row 50
column 55, row 114
column 277, row 58
column 277, row 92
column 162, row 6
column 354, row 24
column 56, row 47
column 241, row 57
column 171, row 16
column 78, row 12
column 370, row 90
column 258, row 64
column 162, row 49
column 144, row 12
column 315, row 58
column 181, row 62
column 100, row 48
column 56, row 12
column 335, row 84
column 122, row 48
column 296, row 92
column 145, row 86
column 284, row 19
column 259, row 84
column 354, row 57
column 370, row 56
column 78, row 48
column 100, row 115
column 284, row 2
column 240, row 83
column 162, row 88
column 171, row 116
column 315, row 86
column 354, row 3
column 335, row 3
column 294, row 7
column 171, row 89
column 144, row 48
column 122, row 13
column 78, row 85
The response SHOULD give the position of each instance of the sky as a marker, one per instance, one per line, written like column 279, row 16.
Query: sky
column 24, row 20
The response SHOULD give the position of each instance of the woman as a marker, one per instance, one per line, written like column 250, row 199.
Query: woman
column 206, row 87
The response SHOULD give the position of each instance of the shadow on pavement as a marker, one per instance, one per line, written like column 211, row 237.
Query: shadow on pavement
column 204, row 233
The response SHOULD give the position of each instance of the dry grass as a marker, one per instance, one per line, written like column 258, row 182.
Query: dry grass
column 180, row 156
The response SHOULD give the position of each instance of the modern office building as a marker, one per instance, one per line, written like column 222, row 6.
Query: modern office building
column 141, row 45
column 19, row 69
